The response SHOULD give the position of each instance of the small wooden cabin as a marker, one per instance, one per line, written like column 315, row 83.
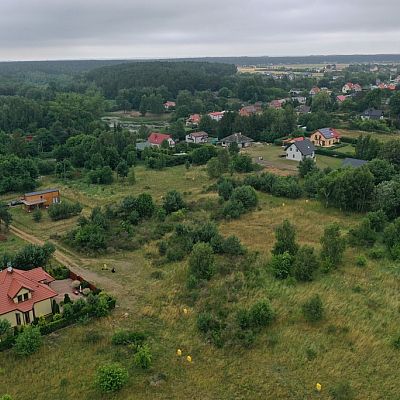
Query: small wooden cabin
column 42, row 199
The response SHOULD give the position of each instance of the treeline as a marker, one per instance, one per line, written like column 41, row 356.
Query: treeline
column 175, row 76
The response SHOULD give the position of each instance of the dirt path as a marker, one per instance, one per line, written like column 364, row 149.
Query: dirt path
column 75, row 265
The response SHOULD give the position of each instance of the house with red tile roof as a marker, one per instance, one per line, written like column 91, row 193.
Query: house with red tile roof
column 156, row 139
column 315, row 90
column 277, row 104
column 216, row 115
column 351, row 87
column 169, row 104
column 389, row 86
column 25, row 295
column 193, row 120
column 247, row 111
column 325, row 137
column 341, row 98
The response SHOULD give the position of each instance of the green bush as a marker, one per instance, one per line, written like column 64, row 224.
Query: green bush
column 124, row 337
column 64, row 210
column 281, row 265
column 37, row 215
column 342, row 391
column 305, row 264
column 201, row 261
column 396, row 343
column 261, row 314
column 313, row 309
column 245, row 195
column 361, row 261
column 232, row 209
column 111, row 378
column 232, row 246
column 142, row 357
column 28, row 341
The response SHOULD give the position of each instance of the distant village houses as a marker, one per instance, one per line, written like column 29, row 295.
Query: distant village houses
column 216, row 115
column 351, row 87
column 168, row 105
column 241, row 140
column 156, row 139
column 193, row 120
column 197, row 137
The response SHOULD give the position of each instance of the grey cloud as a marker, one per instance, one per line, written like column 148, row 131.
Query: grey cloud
column 45, row 29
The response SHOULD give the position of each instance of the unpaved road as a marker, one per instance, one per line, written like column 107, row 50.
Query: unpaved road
column 108, row 284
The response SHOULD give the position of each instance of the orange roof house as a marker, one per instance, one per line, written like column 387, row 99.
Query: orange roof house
column 40, row 199
column 25, row 295
column 155, row 139
column 193, row 119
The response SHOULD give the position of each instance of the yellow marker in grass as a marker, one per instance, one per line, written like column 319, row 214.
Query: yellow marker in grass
column 318, row 386
column 179, row 352
column 189, row 358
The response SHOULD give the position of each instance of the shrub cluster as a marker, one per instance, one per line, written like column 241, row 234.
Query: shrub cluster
column 64, row 210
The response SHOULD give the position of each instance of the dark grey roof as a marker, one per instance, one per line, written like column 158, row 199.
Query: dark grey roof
column 305, row 147
column 373, row 113
column 41, row 192
column 303, row 109
column 353, row 162
column 142, row 145
column 237, row 138
column 327, row 133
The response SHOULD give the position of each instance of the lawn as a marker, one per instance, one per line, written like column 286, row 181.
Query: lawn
column 11, row 243
column 272, row 159
column 351, row 344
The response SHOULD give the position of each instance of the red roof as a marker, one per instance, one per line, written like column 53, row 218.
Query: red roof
column 11, row 282
column 157, row 138
column 315, row 89
column 341, row 98
column 169, row 104
column 216, row 113
column 195, row 118
column 199, row 134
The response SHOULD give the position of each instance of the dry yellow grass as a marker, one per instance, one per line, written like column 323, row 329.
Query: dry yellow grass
column 351, row 344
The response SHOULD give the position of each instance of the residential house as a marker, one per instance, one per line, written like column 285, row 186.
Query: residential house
column 277, row 104
column 303, row 109
column 216, row 115
column 197, row 137
column 41, row 199
column 397, row 80
column 299, row 150
column 353, row 162
column 372, row 113
column 315, row 90
column 351, row 87
column 300, row 99
column 325, row 137
column 253, row 109
column 241, row 140
column 25, row 295
column 193, row 120
column 295, row 92
column 388, row 86
column 168, row 105
column 292, row 140
column 156, row 139
column 341, row 98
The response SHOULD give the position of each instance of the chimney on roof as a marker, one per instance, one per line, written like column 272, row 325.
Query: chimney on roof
column 9, row 268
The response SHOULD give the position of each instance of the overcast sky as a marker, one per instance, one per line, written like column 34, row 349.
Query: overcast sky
column 76, row 29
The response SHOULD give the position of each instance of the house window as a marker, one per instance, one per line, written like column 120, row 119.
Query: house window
column 18, row 318
column 293, row 155
column 20, row 298
column 26, row 296
column 27, row 317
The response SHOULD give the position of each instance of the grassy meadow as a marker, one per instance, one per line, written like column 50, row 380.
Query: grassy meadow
column 351, row 344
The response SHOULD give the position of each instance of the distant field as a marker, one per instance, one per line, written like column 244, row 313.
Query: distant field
column 383, row 137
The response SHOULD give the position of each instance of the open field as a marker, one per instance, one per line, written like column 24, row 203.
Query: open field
column 352, row 343
column 383, row 137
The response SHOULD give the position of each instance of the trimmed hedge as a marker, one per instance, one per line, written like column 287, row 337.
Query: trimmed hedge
column 350, row 140
column 330, row 153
